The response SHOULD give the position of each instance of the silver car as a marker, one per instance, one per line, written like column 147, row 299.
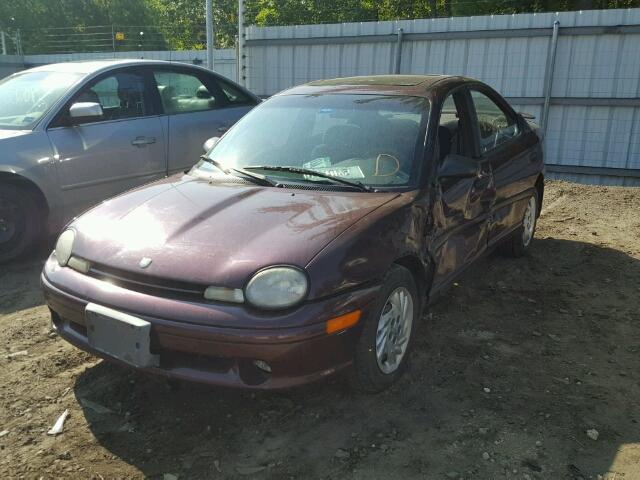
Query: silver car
column 73, row 134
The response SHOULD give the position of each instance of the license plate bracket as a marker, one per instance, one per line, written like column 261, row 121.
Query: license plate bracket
column 120, row 335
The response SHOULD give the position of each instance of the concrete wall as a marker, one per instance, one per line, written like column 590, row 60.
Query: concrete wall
column 10, row 64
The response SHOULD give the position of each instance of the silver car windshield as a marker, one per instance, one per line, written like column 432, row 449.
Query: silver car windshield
column 373, row 140
column 25, row 97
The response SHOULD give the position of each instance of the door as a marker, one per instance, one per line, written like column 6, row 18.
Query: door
column 462, row 204
column 499, row 138
column 97, row 158
column 198, row 106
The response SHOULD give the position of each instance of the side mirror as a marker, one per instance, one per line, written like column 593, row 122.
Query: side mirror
column 209, row 144
column 458, row 166
column 85, row 110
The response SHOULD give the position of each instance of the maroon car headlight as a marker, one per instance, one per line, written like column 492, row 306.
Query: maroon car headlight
column 64, row 246
column 277, row 287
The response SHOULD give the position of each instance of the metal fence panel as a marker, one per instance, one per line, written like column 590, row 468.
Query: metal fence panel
column 593, row 119
column 593, row 128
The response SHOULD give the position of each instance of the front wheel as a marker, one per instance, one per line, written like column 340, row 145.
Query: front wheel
column 20, row 222
column 386, row 338
column 518, row 244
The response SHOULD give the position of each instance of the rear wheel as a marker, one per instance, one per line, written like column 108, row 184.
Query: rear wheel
column 20, row 222
column 518, row 244
column 386, row 338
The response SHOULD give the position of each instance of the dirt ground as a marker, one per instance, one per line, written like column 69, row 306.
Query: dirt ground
column 512, row 368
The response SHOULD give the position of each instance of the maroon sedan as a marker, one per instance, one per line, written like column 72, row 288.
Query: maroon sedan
column 309, row 239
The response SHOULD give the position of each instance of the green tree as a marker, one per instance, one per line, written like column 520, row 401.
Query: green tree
column 58, row 25
column 83, row 25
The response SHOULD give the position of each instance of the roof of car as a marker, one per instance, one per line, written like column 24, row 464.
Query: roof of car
column 417, row 85
column 92, row 66
column 395, row 80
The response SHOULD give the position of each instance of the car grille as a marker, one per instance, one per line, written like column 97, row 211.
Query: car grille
column 146, row 284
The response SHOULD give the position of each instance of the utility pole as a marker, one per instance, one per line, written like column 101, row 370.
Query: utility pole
column 241, row 42
column 210, row 35
column 3, row 42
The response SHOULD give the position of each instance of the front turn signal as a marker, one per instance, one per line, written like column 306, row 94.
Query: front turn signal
column 343, row 322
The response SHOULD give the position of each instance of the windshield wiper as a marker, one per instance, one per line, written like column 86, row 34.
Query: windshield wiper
column 305, row 171
column 257, row 179
column 215, row 163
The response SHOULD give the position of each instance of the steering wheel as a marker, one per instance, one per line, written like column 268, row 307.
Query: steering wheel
column 373, row 166
column 386, row 157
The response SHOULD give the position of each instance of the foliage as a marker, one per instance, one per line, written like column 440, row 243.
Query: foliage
column 179, row 24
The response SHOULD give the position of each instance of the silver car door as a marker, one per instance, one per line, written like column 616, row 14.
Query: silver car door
column 98, row 157
column 197, row 109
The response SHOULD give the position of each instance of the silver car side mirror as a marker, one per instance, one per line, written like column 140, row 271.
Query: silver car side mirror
column 85, row 110
column 209, row 144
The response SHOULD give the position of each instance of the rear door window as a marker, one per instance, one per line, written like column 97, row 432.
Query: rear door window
column 234, row 95
column 182, row 92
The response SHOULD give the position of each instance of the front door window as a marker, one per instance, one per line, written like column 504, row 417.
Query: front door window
column 120, row 95
column 496, row 126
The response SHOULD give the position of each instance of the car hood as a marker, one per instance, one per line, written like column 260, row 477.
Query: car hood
column 206, row 233
column 12, row 133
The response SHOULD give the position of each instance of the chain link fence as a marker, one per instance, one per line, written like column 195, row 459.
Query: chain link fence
column 112, row 38
column 10, row 42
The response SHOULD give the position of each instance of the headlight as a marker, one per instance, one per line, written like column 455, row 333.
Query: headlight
column 277, row 287
column 64, row 245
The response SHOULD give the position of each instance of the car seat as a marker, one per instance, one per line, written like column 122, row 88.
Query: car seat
column 341, row 142
column 130, row 93
column 444, row 142
column 168, row 98
column 404, row 134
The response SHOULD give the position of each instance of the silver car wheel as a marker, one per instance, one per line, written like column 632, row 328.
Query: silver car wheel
column 529, row 222
column 394, row 330
column 9, row 221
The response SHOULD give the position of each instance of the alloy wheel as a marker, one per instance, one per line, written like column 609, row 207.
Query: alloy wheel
column 529, row 222
column 394, row 330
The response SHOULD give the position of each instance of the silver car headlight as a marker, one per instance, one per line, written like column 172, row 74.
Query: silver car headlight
column 64, row 246
column 277, row 287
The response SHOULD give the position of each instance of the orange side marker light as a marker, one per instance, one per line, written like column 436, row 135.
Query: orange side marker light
column 343, row 322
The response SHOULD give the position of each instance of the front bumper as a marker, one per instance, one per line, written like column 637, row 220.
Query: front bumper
column 205, row 348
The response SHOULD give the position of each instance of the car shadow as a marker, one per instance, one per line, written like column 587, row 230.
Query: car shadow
column 20, row 280
column 511, row 368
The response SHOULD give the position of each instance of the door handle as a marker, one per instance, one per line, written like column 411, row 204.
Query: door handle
column 223, row 128
column 142, row 141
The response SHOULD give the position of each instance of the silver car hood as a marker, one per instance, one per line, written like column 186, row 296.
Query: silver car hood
column 13, row 133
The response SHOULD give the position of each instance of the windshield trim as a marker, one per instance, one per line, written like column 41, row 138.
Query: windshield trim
column 415, row 179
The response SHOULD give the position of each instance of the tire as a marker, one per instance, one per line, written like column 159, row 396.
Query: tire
column 370, row 373
column 20, row 222
column 520, row 241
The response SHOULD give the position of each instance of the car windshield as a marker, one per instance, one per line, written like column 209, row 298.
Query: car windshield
column 368, row 140
column 25, row 97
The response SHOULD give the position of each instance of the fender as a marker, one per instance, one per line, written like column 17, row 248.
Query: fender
column 396, row 232
column 28, row 157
